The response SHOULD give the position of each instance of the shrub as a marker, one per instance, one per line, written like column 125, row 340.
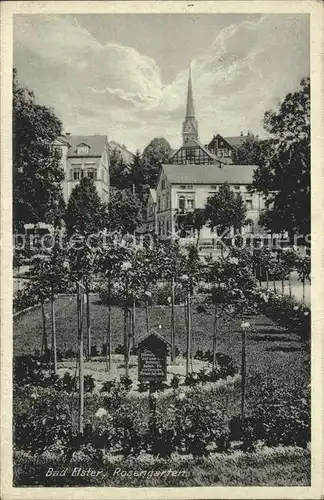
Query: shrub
column 89, row 383
column 108, row 386
column 126, row 382
column 287, row 311
column 201, row 426
column 175, row 381
column 46, row 422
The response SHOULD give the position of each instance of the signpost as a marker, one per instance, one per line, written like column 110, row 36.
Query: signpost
column 152, row 364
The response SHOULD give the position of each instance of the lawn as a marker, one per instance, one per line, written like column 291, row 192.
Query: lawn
column 270, row 349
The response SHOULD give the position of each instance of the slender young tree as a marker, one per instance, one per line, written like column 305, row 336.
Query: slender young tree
column 171, row 268
column 84, row 220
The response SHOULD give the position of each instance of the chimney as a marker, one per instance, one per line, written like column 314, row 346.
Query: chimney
column 67, row 134
column 241, row 133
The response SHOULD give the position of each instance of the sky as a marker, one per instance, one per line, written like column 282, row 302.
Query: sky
column 125, row 75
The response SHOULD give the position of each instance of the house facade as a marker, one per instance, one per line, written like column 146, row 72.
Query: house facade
column 84, row 156
column 187, row 187
column 223, row 148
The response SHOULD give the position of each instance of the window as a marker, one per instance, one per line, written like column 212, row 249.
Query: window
column 76, row 174
column 58, row 151
column 213, row 186
column 189, row 186
column 182, row 187
column 163, row 184
column 249, row 204
column 190, row 203
column 249, row 226
column 237, row 187
column 92, row 173
column 182, row 203
column 82, row 149
column 158, row 204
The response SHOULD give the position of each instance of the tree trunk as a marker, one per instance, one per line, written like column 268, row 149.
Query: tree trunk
column 198, row 238
column 108, row 333
column 44, row 339
column 243, row 372
column 126, row 356
column 53, row 334
column 188, row 332
column 267, row 277
column 274, row 285
column 81, row 377
column 173, row 350
column 289, row 284
column 215, row 336
column 133, row 322
column 303, row 284
column 282, row 287
column 88, row 323
column 147, row 314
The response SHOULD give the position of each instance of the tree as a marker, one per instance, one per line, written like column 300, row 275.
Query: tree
column 123, row 213
column 195, row 221
column 192, row 270
column 225, row 210
column 283, row 176
column 120, row 172
column 84, row 217
column 111, row 258
column 248, row 153
column 37, row 174
column 156, row 153
column 49, row 276
column 303, row 265
column 84, row 213
column 171, row 266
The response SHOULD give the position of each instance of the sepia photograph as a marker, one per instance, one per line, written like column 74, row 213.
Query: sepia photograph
column 161, row 250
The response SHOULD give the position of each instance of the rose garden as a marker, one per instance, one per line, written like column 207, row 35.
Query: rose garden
column 236, row 394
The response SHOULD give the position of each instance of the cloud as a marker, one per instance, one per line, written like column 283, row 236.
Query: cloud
column 108, row 87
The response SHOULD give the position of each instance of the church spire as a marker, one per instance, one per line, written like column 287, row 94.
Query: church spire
column 190, row 103
column 190, row 124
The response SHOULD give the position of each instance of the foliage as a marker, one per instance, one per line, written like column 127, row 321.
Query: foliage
column 47, row 422
column 225, row 209
column 119, row 171
column 89, row 383
column 283, row 176
column 24, row 299
column 84, row 213
column 123, row 212
column 194, row 220
column 248, row 153
column 155, row 153
column 287, row 311
column 37, row 174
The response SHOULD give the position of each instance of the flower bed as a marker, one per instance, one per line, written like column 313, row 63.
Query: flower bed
column 287, row 311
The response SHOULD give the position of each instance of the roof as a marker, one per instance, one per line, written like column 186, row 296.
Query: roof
column 209, row 174
column 155, row 334
column 97, row 144
column 193, row 143
column 236, row 141
column 153, row 195
column 126, row 154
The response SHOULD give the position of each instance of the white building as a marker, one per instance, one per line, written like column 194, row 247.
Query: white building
column 84, row 156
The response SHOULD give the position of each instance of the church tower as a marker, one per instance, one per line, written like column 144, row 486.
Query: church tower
column 190, row 124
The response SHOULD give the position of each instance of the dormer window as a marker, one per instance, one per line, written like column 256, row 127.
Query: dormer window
column 82, row 149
